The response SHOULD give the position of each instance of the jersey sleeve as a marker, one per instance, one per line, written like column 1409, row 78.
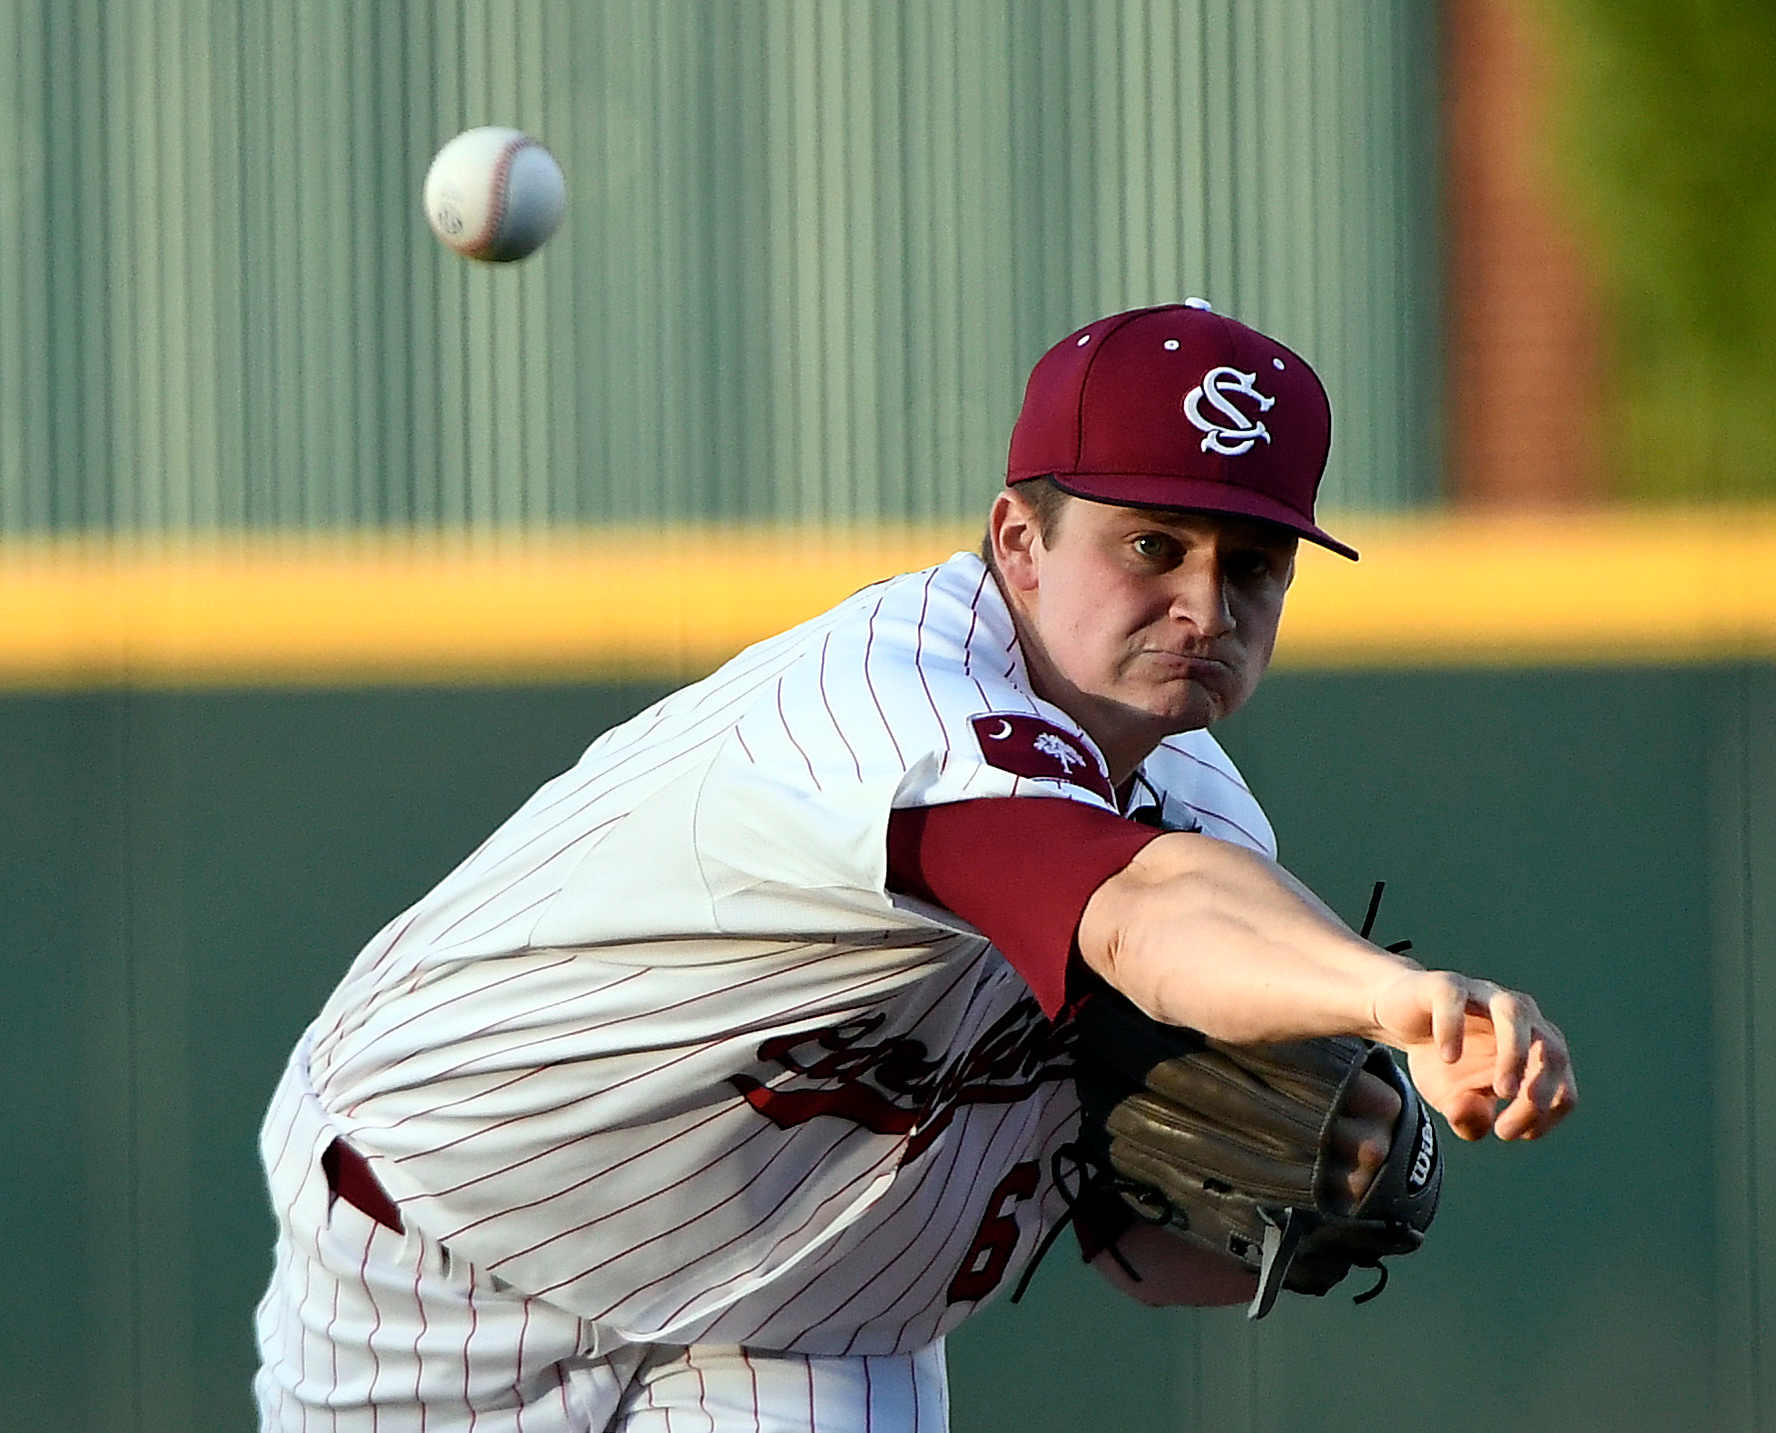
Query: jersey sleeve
column 1020, row 871
column 910, row 694
column 918, row 701
column 1189, row 783
column 767, row 789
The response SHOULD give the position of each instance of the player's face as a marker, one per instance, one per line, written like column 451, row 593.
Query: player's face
column 1141, row 623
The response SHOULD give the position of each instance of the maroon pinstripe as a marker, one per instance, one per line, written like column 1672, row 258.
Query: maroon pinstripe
column 887, row 726
column 790, row 734
column 709, row 1118
column 826, row 701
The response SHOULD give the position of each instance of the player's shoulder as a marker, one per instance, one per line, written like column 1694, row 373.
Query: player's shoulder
column 941, row 629
column 870, row 648
column 1199, row 787
column 952, row 604
column 947, row 607
column 911, row 692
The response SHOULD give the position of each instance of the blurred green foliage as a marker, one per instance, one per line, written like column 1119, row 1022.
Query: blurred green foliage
column 1666, row 136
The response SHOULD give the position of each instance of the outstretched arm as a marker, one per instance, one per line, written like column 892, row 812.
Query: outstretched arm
column 1199, row 932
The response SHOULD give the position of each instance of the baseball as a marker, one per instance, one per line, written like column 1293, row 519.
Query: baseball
column 494, row 194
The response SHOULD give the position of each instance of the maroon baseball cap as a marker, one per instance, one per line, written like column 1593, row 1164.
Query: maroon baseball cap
column 1178, row 407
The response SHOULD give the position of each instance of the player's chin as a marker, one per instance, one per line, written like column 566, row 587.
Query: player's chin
column 1194, row 703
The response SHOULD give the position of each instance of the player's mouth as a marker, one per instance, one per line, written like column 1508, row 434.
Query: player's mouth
column 1194, row 665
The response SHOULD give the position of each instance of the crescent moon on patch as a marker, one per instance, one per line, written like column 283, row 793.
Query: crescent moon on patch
column 1001, row 735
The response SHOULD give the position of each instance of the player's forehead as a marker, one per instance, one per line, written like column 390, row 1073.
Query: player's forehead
column 1231, row 529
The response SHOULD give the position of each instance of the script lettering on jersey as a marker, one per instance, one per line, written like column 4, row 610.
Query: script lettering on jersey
column 893, row 1085
column 1027, row 745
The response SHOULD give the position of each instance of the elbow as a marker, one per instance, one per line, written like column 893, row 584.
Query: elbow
column 1132, row 917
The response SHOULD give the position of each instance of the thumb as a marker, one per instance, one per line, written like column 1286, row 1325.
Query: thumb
column 1420, row 1007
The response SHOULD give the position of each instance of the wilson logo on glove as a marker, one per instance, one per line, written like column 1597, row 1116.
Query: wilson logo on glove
column 1425, row 1161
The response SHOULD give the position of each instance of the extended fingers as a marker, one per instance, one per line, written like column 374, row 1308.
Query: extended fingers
column 1361, row 1136
column 1513, row 1017
column 1549, row 1092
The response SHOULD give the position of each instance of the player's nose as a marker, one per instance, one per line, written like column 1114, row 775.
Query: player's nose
column 1199, row 595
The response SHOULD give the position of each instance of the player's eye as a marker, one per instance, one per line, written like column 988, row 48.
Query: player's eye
column 1255, row 565
column 1154, row 547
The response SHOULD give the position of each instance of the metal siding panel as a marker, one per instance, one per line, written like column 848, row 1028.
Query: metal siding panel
column 1164, row 204
column 18, row 154
column 810, row 250
column 21, row 157
column 253, row 243
column 63, row 269
column 592, row 186
column 846, row 491
column 225, row 504
column 390, row 142
column 1742, row 864
column 285, row 272
column 918, row 135
column 201, row 460
column 1192, row 101
column 560, row 73
column 137, row 353
column 884, row 334
column 989, row 383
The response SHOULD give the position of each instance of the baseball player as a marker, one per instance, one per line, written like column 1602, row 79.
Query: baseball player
column 725, row 1078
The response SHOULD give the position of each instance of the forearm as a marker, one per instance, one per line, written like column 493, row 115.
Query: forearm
column 1199, row 932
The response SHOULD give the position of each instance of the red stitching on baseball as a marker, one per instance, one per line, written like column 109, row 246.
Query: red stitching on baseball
column 496, row 211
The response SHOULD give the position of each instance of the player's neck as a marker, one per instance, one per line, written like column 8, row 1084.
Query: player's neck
column 1124, row 735
column 1126, row 743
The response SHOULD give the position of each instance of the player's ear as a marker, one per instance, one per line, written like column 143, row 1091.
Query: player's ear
column 1015, row 536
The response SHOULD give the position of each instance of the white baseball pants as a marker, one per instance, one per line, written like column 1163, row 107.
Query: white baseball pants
column 366, row 1330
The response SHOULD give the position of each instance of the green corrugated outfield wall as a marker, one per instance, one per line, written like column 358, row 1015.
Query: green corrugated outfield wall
column 185, row 875
column 812, row 247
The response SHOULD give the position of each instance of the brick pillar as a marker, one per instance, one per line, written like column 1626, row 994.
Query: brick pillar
column 1525, row 368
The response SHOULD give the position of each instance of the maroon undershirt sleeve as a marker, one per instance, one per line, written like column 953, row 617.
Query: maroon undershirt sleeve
column 1020, row 869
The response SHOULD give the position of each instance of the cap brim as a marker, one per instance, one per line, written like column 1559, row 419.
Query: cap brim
column 1163, row 490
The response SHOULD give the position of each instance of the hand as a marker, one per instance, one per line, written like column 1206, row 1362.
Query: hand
column 1473, row 1046
column 1362, row 1134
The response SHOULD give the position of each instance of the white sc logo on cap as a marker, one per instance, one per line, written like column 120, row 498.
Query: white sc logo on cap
column 1238, row 433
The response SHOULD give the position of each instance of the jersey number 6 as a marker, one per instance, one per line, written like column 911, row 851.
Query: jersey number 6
column 996, row 1239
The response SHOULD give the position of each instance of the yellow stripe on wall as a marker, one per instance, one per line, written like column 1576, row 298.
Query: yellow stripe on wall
column 371, row 608
column 1620, row 588
column 1627, row 588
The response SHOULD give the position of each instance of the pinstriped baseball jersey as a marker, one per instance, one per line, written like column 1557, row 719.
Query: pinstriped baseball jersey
column 665, row 1052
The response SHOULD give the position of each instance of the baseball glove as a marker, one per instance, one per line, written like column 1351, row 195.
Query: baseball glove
column 1230, row 1144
